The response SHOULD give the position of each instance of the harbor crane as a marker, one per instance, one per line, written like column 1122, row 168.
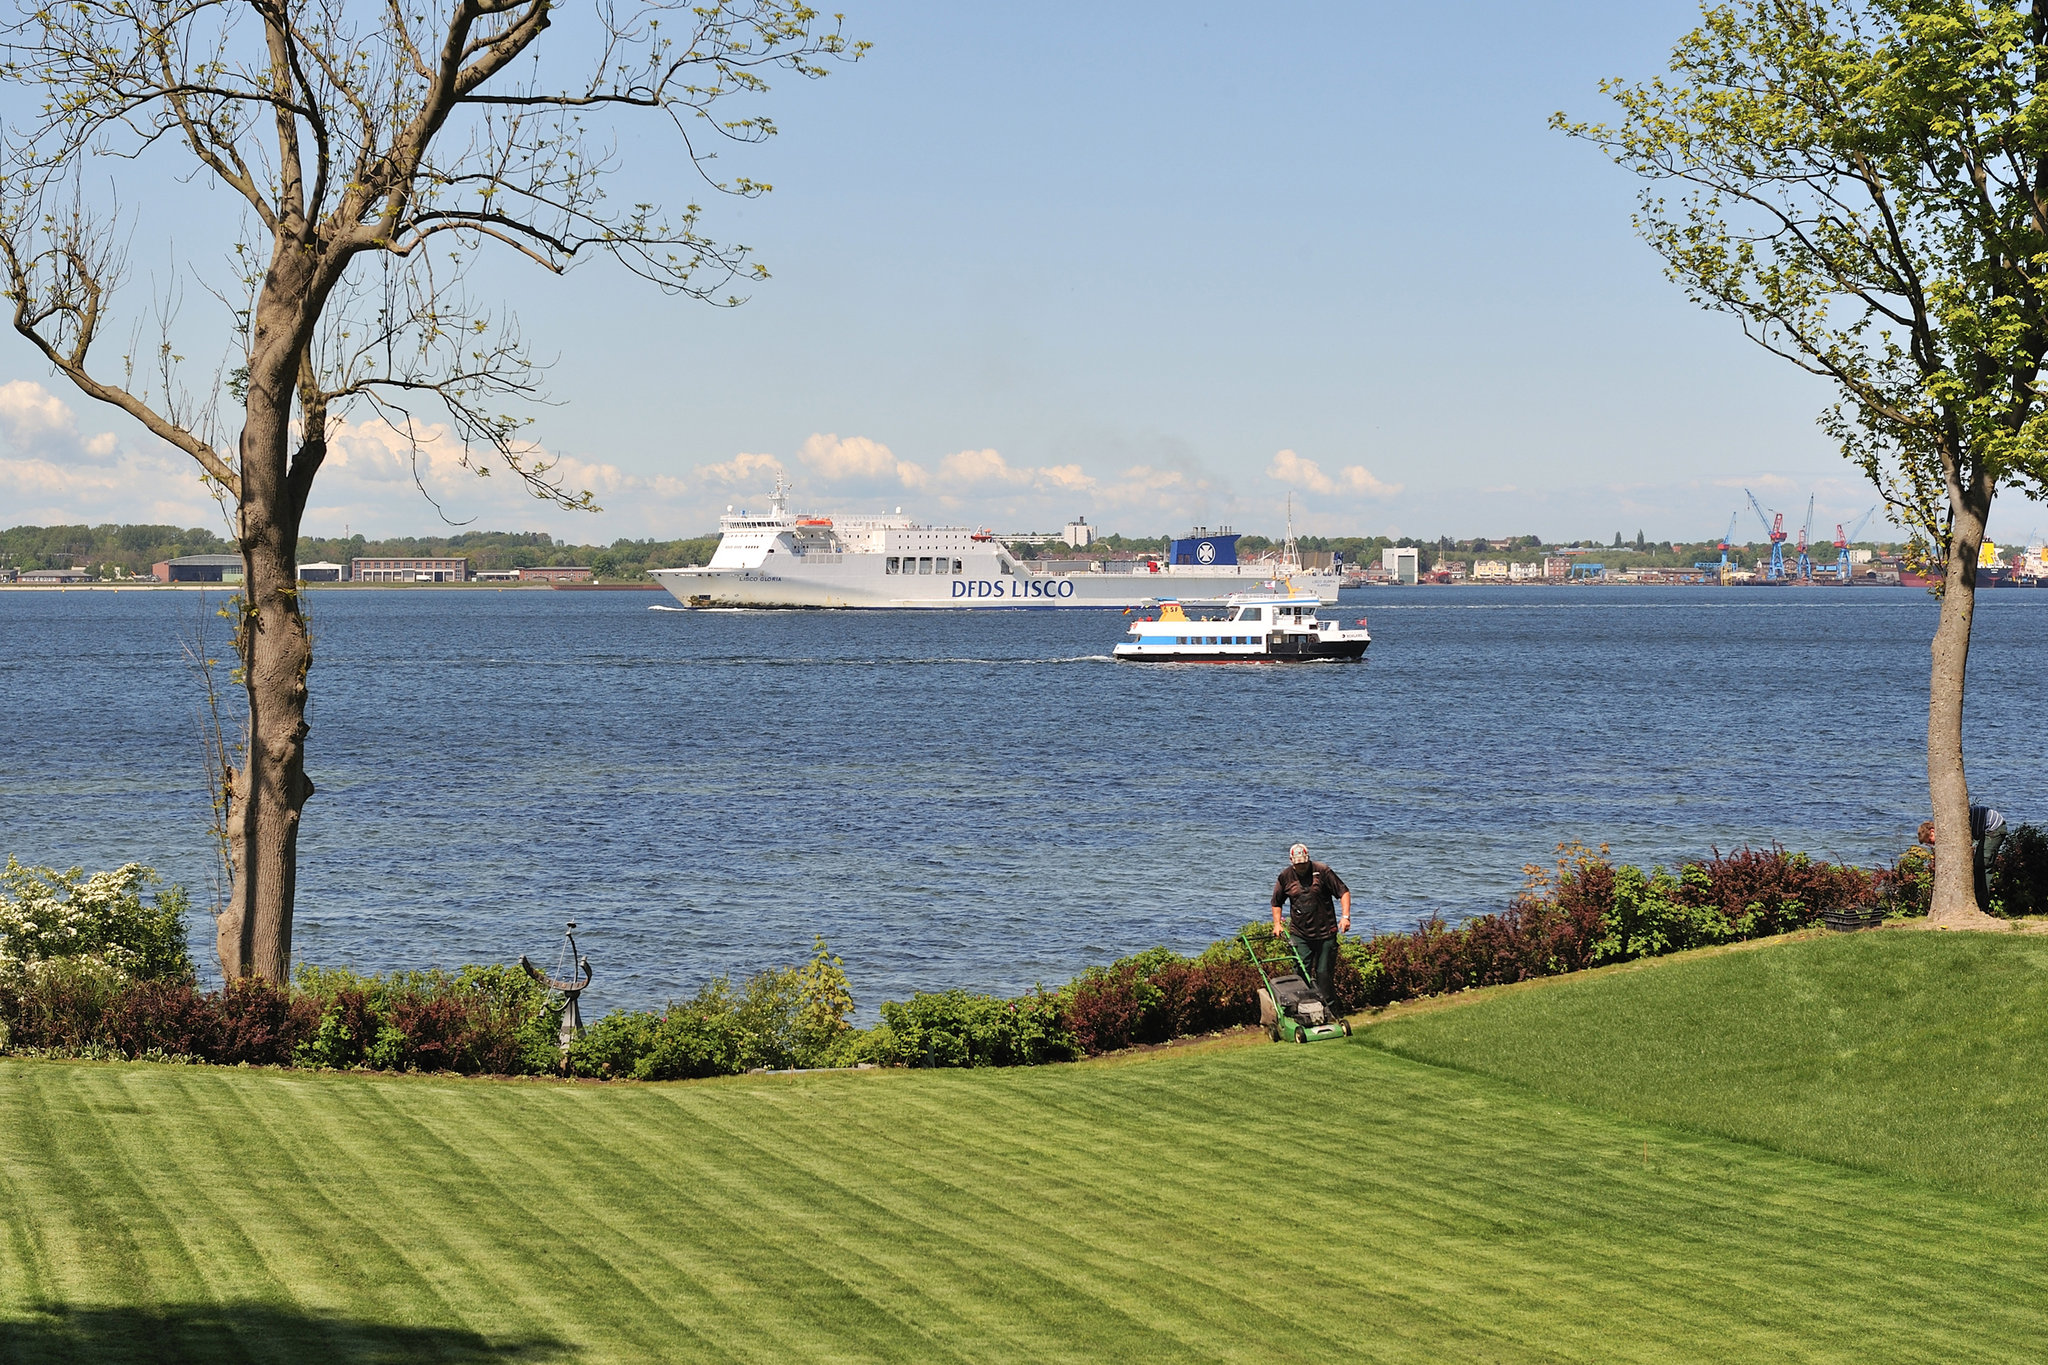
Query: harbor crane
column 1841, row 565
column 1806, row 561
column 1723, row 567
column 1775, row 529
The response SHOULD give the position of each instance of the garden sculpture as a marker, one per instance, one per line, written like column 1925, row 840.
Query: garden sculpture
column 562, row 977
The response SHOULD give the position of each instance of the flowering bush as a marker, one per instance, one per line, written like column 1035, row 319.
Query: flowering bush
column 46, row 915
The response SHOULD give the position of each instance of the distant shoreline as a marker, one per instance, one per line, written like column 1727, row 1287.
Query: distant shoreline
column 143, row 586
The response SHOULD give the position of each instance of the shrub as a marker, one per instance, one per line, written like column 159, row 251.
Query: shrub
column 46, row 915
column 612, row 1047
column 260, row 1025
column 959, row 1028
column 349, row 1028
column 164, row 1018
column 1653, row 914
column 1906, row 888
column 707, row 1035
column 60, row 1003
column 515, row 1023
column 2019, row 875
column 1775, row 891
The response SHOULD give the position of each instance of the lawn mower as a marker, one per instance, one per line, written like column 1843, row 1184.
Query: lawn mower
column 1293, row 1009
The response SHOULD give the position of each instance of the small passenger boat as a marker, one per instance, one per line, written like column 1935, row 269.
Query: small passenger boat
column 1251, row 628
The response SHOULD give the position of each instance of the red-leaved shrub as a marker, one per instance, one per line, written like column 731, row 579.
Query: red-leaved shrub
column 1785, row 891
column 260, row 1024
column 164, row 1016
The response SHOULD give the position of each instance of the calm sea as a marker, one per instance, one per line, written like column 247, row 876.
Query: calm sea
column 984, row 799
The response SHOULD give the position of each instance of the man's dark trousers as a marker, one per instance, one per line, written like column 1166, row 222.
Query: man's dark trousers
column 1320, row 956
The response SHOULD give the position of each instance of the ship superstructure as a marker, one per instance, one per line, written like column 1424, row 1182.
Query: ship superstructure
column 783, row 558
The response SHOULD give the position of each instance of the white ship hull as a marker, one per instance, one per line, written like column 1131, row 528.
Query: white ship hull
column 862, row 584
column 780, row 559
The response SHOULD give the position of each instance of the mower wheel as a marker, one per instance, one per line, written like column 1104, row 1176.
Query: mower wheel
column 1347, row 1028
column 1301, row 1035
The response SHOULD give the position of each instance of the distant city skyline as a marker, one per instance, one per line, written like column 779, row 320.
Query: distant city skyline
column 1152, row 265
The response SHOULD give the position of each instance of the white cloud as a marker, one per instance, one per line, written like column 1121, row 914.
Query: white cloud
column 1351, row 481
column 742, row 469
column 51, row 473
column 966, row 469
column 857, row 460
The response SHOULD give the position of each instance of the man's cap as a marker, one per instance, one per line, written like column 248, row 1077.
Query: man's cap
column 1298, row 854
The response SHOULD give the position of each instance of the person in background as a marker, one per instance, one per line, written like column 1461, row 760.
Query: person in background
column 1987, row 836
column 1309, row 889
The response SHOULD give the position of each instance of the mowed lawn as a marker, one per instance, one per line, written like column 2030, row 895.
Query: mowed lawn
column 1247, row 1203
column 1918, row 1054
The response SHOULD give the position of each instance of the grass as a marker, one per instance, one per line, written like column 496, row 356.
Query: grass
column 1251, row 1203
column 1916, row 1054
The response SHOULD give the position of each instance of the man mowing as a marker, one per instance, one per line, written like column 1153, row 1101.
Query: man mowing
column 1313, row 923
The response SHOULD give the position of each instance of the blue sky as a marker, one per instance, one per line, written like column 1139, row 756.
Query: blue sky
column 1149, row 263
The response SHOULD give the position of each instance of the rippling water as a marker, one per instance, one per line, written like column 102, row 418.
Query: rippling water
column 983, row 799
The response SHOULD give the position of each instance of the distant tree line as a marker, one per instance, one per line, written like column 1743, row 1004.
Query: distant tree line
column 111, row 551
column 622, row 560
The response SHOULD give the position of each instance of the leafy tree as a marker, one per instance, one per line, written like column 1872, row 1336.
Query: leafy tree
column 1863, row 186
column 372, row 152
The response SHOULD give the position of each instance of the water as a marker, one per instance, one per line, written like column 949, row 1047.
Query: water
column 983, row 799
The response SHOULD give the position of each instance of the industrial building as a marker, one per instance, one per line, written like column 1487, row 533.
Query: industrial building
column 198, row 569
column 323, row 572
column 555, row 573
column 1403, row 562
column 421, row 570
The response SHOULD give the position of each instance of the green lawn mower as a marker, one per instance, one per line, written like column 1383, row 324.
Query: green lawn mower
column 1293, row 1009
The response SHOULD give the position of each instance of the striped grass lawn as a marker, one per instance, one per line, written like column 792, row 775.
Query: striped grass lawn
column 1916, row 1054
column 1257, row 1203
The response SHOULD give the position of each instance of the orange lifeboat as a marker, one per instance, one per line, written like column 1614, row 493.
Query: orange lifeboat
column 983, row 535
column 814, row 521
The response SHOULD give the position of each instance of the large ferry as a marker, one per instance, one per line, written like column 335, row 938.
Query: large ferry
column 788, row 559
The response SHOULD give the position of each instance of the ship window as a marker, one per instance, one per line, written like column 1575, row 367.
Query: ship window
column 925, row 565
column 1252, row 614
column 956, row 566
column 892, row 566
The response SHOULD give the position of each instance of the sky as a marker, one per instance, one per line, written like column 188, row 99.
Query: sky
column 1153, row 264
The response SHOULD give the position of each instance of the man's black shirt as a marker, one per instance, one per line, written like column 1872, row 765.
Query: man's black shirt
column 1312, row 894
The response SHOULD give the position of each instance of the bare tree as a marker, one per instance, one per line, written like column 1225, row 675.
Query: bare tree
column 372, row 152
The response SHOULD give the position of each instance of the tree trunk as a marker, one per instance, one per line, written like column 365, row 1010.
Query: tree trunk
column 1955, row 887
column 271, row 788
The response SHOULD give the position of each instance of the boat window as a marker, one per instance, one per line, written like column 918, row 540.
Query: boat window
column 925, row 565
column 956, row 566
column 892, row 565
column 1180, row 639
column 1252, row 614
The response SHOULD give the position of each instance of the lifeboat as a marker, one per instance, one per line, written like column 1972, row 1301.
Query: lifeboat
column 983, row 535
column 825, row 522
